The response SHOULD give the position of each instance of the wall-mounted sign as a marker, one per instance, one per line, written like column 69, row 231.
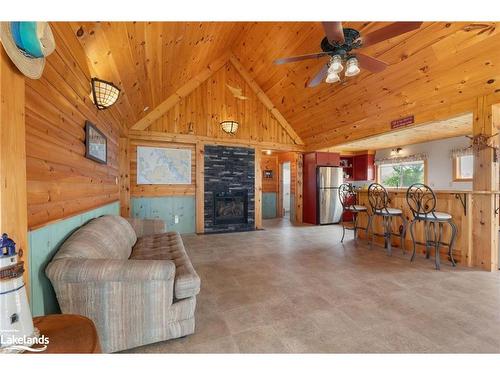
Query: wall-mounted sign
column 402, row 122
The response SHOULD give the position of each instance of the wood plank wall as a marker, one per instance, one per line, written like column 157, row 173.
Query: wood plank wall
column 270, row 162
column 61, row 182
column 160, row 190
column 201, row 112
column 13, row 204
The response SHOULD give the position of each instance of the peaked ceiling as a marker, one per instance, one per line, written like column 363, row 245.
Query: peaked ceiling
column 437, row 65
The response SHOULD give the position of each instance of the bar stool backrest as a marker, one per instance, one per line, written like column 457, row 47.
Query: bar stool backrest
column 347, row 195
column 378, row 198
column 421, row 200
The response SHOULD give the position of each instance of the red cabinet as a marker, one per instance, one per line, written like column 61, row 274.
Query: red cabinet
column 329, row 159
column 313, row 160
column 363, row 167
column 358, row 167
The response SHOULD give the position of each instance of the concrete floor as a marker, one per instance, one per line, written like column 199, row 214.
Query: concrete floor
column 297, row 289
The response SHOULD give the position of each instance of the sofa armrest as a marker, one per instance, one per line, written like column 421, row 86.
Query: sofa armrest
column 145, row 227
column 109, row 270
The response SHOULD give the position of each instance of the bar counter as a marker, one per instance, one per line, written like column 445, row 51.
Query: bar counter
column 455, row 202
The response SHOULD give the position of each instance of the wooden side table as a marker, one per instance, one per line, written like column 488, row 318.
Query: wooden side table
column 68, row 334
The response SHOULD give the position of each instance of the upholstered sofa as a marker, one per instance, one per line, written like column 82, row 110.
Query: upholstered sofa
column 131, row 277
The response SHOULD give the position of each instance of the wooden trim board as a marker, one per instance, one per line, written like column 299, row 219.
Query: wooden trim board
column 193, row 139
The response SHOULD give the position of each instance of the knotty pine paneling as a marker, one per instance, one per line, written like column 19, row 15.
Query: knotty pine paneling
column 270, row 162
column 201, row 112
column 160, row 190
column 430, row 69
column 61, row 182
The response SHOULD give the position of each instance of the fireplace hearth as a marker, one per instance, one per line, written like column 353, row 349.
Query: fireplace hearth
column 231, row 207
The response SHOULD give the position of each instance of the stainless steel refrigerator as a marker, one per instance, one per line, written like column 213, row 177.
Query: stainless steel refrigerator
column 329, row 206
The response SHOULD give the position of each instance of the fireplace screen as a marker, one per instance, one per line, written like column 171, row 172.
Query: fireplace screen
column 231, row 208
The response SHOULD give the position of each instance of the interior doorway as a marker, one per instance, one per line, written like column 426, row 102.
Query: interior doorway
column 285, row 186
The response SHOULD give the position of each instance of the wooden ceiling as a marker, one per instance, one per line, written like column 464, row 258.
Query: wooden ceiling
column 435, row 66
column 453, row 127
column 150, row 60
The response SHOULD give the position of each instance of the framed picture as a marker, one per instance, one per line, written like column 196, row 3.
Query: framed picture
column 268, row 173
column 96, row 144
column 163, row 166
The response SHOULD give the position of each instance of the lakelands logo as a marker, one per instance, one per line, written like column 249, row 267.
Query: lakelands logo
column 17, row 344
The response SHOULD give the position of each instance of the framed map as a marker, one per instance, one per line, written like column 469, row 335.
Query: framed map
column 162, row 166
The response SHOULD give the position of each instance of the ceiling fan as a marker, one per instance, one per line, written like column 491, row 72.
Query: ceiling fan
column 341, row 45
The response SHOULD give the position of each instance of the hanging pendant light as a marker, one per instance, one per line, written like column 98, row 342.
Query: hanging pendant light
column 104, row 94
column 352, row 67
column 230, row 127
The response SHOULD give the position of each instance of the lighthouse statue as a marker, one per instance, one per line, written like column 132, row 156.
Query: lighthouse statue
column 16, row 323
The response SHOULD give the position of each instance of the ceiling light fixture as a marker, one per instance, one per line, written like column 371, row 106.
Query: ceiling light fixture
column 230, row 127
column 335, row 64
column 352, row 67
column 269, row 152
column 396, row 151
column 104, row 94
column 332, row 77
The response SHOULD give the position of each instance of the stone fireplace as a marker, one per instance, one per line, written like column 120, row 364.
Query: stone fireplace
column 229, row 189
column 231, row 208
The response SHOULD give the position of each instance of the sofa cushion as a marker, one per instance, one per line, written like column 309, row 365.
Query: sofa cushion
column 169, row 246
column 107, row 237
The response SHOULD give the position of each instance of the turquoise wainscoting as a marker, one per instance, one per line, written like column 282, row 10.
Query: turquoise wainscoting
column 269, row 205
column 166, row 208
column 44, row 243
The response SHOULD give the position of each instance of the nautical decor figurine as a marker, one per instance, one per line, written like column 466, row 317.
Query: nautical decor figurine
column 16, row 324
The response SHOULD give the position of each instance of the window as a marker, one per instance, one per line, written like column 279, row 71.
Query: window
column 463, row 168
column 401, row 174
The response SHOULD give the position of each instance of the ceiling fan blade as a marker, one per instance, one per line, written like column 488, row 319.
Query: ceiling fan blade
column 389, row 31
column 285, row 60
column 370, row 63
column 334, row 32
column 319, row 77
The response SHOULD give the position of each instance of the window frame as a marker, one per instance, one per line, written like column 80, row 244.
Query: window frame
column 379, row 180
column 456, row 169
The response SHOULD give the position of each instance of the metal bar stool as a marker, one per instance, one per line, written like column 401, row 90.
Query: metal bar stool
column 379, row 199
column 348, row 199
column 422, row 202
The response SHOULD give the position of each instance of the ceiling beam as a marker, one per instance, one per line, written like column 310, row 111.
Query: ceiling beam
column 181, row 93
column 265, row 99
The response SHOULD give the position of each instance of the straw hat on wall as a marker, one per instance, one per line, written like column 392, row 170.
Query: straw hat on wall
column 27, row 44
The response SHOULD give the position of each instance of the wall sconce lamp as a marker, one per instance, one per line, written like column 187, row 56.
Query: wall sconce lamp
column 230, row 127
column 396, row 151
column 104, row 94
